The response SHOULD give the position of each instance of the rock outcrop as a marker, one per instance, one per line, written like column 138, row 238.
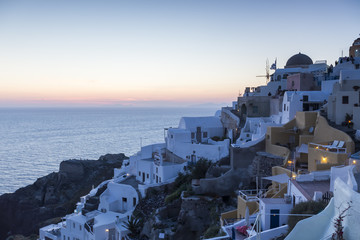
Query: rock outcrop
column 53, row 196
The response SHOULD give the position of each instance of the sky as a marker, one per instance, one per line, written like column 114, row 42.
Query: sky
column 157, row 52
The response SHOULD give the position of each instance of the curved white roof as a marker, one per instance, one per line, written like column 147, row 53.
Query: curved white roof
column 194, row 122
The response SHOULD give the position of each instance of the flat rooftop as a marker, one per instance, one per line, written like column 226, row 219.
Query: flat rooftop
column 131, row 181
column 308, row 188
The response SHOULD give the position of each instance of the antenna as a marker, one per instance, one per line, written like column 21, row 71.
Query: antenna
column 267, row 69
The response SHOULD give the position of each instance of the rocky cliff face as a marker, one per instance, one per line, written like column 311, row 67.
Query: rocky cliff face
column 53, row 196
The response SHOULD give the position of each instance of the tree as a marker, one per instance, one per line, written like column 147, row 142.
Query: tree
column 134, row 225
column 339, row 229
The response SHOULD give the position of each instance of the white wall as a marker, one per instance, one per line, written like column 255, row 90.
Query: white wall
column 293, row 191
column 74, row 232
column 207, row 151
column 144, row 167
column 112, row 198
column 170, row 171
column 342, row 109
column 322, row 224
column 265, row 209
column 327, row 86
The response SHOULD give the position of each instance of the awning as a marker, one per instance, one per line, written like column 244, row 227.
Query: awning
column 281, row 178
column 304, row 148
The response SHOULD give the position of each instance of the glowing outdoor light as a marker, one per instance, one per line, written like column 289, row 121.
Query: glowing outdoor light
column 354, row 161
column 324, row 160
column 106, row 230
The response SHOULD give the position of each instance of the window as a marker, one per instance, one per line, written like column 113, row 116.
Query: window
column 73, row 225
column 204, row 134
column 134, row 202
column 172, row 136
column 157, row 170
column 124, row 199
column 284, row 107
column 357, row 66
column 80, row 227
column 345, row 100
column 153, row 176
column 192, row 135
column 159, row 179
column 64, row 237
column 139, row 173
column 292, row 83
column 305, row 98
column 147, row 175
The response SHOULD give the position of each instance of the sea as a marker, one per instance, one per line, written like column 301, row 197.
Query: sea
column 34, row 141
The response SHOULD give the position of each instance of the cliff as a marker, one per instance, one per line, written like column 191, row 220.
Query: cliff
column 53, row 196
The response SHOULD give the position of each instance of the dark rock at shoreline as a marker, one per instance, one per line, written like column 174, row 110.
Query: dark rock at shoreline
column 53, row 196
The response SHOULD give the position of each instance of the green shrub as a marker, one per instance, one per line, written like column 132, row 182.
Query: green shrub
column 175, row 195
column 200, row 169
column 182, row 179
column 310, row 207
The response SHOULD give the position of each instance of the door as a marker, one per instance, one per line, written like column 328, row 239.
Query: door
column 198, row 134
column 274, row 218
column 143, row 175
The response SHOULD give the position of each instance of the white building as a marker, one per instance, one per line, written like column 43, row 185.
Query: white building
column 155, row 165
column 346, row 193
column 192, row 139
column 116, row 205
column 301, row 101
column 254, row 131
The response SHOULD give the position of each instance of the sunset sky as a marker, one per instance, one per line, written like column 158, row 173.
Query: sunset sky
column 158, row 53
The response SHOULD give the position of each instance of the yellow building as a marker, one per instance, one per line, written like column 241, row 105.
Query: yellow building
column 308, row 143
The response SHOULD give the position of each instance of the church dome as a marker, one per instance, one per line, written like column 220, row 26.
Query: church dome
column 298, row 60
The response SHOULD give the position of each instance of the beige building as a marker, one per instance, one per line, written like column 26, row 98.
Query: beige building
column 345, row 99
column 308, row 143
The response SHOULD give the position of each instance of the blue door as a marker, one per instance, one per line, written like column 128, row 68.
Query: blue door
column 274, row 218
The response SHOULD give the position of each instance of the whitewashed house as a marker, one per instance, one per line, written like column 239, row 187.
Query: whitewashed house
column 301, row 101
column 155, row 165
column 192, row 140
column 116, row 205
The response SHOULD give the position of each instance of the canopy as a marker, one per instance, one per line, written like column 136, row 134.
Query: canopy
column 304, row 148
column 282, row 178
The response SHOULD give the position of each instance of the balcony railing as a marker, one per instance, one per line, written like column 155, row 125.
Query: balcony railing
column 327, row 148
column 252, row 194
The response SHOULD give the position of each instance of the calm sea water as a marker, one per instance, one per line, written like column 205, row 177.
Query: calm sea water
column 34, row 141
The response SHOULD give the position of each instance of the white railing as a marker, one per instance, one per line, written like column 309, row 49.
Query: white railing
column 327, row 148
column 252, row 194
